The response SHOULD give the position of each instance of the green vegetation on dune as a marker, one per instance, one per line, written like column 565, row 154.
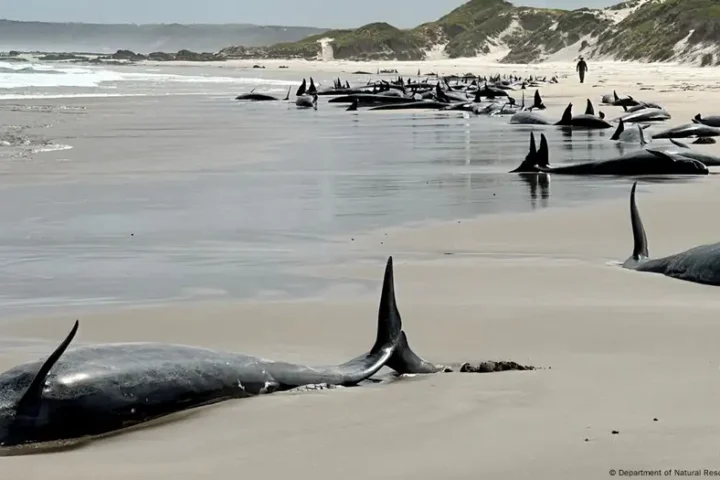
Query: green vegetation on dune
column 378, row 41
column 567, row 29
column 651, row 32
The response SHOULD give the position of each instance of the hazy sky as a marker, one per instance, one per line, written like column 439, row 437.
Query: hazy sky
column 315, row 13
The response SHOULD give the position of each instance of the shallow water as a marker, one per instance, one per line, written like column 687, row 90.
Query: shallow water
column 159, row 186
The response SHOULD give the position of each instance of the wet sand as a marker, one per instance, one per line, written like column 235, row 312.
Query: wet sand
column 619, row 350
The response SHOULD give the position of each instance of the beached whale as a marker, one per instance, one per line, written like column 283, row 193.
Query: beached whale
column 96, row 389
column 644, row 114
column 711, row 121
column 689, row 130
column 307, row 101
column 647, row 161
column 586, row 120
column 700, row 264
column 260, row 97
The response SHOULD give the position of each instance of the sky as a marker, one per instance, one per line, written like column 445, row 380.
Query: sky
column 311, row 13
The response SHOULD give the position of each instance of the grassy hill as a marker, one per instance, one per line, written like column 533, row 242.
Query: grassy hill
column 650, row 30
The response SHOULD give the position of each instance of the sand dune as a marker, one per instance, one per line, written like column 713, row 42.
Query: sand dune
column 619, row 348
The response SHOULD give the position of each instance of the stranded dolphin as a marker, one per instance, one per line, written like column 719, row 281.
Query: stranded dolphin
column 646, row 161
column 97, row 389
column 700, row 264
column 260, row 97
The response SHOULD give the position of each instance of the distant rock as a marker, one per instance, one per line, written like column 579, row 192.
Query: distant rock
column 161, row 57
column 128, row 55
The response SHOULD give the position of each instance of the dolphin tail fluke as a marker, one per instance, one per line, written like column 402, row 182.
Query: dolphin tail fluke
column 31, row 398
column 301, row 91
column 287, row 97
column 529, row 165
column 697, row 118
column 640, row 247
column 620, row 129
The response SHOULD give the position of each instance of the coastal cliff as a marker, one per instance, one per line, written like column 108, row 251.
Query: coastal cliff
column 686, row 31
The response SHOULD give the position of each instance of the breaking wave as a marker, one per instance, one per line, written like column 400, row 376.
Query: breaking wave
column 23, row 75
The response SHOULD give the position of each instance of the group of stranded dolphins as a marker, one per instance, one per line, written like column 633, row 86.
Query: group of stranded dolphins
column 93, row 390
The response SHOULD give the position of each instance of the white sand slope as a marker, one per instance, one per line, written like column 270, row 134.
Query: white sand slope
column 620, row 348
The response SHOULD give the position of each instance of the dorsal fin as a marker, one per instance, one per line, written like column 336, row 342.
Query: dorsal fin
column 528, row 165
column 640, row 247
column 302, row 89
column 34, row 391
column 543, row 154
column 616, row 95
column 287, row 97
column 589, row 109
column 697, row 118
column 601, row 114
column 538, row 103
column 567, row 115
column 620, row 129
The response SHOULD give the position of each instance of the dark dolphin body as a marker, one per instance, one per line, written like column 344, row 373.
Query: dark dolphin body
column 641, row 162
column 689, row 130
column 586, row 120
column 529, row 118
column 260, row 97
column 307, row 101
column 419, row 105
column 370, row 99
column 700, row 264
column 711, row 121
column 97, row 389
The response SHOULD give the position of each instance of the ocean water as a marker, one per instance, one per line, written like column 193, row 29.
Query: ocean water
column 134, row 184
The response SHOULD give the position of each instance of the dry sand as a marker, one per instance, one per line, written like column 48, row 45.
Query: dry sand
column 621, row 349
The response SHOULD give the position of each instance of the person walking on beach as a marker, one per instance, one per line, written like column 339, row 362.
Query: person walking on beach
column 581, row 69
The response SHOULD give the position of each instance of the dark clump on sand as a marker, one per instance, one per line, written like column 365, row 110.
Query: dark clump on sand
column 489, row 367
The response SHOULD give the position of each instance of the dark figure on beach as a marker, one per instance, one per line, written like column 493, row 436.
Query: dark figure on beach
column 581, row 69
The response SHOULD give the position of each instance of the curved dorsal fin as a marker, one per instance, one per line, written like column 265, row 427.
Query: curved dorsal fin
column 589, row 108
column 640, row 247
column 34, row 391
column 543, row 153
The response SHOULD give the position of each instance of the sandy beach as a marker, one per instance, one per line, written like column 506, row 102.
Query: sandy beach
column 616, row 350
